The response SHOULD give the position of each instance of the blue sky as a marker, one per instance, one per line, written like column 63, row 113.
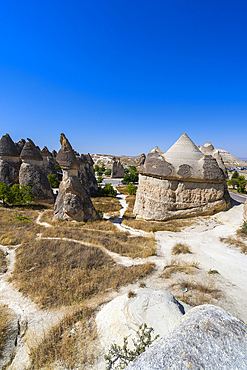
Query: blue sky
column 120, row 77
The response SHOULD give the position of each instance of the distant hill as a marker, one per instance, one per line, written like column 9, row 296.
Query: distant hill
column 107, row 159
column 230, row 160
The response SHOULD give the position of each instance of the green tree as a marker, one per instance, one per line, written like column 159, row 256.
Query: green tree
column 130, row 177
column 4, row 189
column 54, row 182
column 19, row 194
column 108, row 172
column 126, row 170
column 102, row 167
column 131, row 188
column 235, row 175
column 107, row 191
column 99, row 172
column 99, row 179
column 96, row 167
column 241, row 184
column 58, row 168
column 133, row 169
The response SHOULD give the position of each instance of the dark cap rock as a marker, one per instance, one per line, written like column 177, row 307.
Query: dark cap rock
column 45, row 152
column 7, row 147
column 66, row 157
column 30, row 151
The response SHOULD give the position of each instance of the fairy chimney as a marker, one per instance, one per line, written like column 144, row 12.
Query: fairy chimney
column 9, row 161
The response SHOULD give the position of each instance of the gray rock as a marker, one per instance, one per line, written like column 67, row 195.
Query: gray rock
column 30, row 152
column 20, row 144
column 9, row 345
column 207, row 337
column 73, row 201
column 117, row 169
column 33, row 175
column 245, row 210
column 9, row 161
column 93, row 185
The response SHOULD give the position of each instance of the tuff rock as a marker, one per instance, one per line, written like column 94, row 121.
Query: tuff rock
column 245, row 210
column 117, row 169
column 207, row 337
column 9, row 161
column 73, row 201
column 182, row 182
column 32, row 173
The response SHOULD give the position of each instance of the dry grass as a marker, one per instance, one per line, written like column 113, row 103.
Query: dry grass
column 71, row 342
column 17, row 225
column 197, row 291
column 106, row 204
column 3, row 262
column 4, row 320
column 235, row 243
column 117, row 241
column 180, row 248
column 56, row 273
column 178, row 266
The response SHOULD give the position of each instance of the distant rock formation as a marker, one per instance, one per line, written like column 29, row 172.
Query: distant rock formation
column 73, row 201
column 123, row 316
column 48, row 162
column 207, row 337
column 9, row 161
column 32, row 173
column 117, row 169
column 20, row 144
column 93, row 185
column 182, row 182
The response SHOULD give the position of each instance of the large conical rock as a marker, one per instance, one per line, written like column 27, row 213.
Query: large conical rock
column 32, row 173
column 48, row 162
column 73, row 201
column 117, row 169
column 182, row 182
column 9, row 161
column 207, row 337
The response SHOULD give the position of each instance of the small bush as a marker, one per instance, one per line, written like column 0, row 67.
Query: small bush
column 108, row 172
column 54, row 182
column 131, row 188
column 180, row 248
column 16, row 194
column 99, row 179
column 107, row 191
column 213, row 272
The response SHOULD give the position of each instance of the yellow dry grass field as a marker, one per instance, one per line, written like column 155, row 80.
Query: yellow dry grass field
column 55, row 272
column 17, row 225
column 70, row 342
column 4, row 321
column 106, row 204
column 116, row 241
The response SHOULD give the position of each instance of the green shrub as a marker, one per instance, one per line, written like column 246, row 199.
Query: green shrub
column 54, row 182
column 243, row 228
column 96, row 167
column 99, row 179
column 130, row 177
column 107, row 191
column 58, row 168
column 16, row 194
column 131, row 188
column 108, row 172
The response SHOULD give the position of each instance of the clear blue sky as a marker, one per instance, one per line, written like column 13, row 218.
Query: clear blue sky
column 120, row 77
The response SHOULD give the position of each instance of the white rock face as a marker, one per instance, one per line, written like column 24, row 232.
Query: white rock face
column 123, row 316
column 245, row 210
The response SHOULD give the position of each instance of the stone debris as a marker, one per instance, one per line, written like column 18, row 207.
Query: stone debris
column 182, row 182
column 32, row 173
column 9, row 161
column 207, row 337
column 73, row 201
column 117, row 169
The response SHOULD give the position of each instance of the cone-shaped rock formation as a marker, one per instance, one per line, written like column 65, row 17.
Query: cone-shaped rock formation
column 9, row 161
column 117, row 169
column 182, row 182
column 32, row 173
column 73, row 201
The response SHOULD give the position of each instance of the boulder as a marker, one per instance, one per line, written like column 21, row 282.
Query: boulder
column 32, row 173
column 207, row 337
column 9, row 161
column 123, row 316
column 117, row 169
column 182, row 182
column 73, row 201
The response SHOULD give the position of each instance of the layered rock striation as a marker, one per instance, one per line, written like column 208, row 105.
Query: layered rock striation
column 207, row 337
column 182, row 182
column 9, row 161
column 32, row 173
column 117, row 169
column 73, row 201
